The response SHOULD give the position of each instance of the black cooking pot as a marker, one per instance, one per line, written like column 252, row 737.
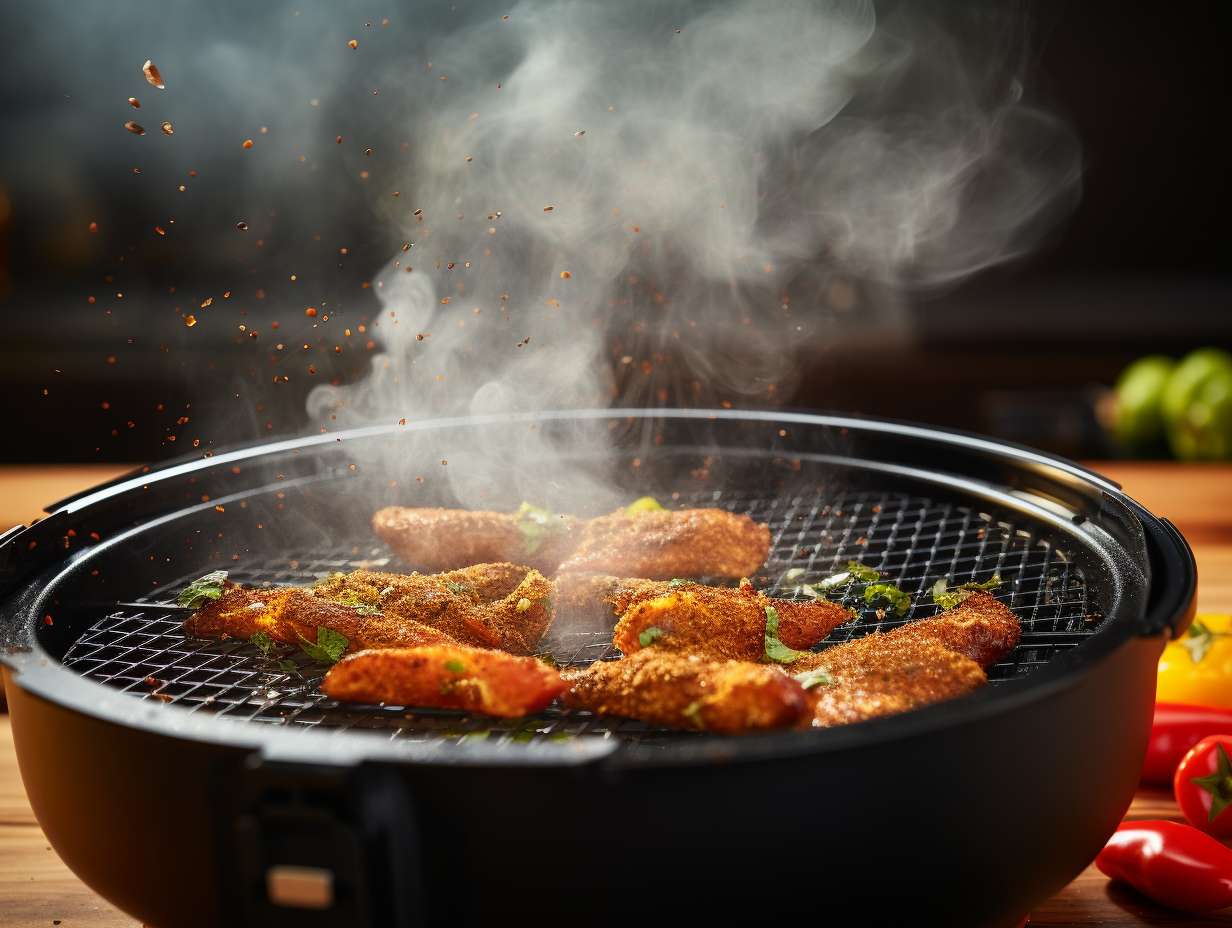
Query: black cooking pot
column 190, row 783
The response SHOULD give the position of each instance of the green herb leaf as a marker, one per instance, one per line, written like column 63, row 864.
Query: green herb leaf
column 458, row 588
column 202, row 590
column 677, row 582
column 328, row 647
column 649, row 636
column 288, row 666
column 862, row 573
column 948, row 599
column 1198, row 640
column 455, row 666
column 645, row 504
column 775, row 649
column 899, row 601
column 812, row 678
column 536, row 525
column 351, row 598
column 264, row 643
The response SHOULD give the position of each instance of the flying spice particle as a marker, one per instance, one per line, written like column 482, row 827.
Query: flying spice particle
column 354, row 43
column 338, row 139
column 265, row 130
column 93, row 227
column 579, row 133
column 181, row 188
column 160, row 230
column 207, row 302
column 152, row 75
column 134, row 103
column 311, row 312
column 134, row 128
column 242, row 226
column 548, row 209
column 190, row 320
column 406, row 246
column 368, row 152
column 565, row 275
column 247, row 143
column 168, row 129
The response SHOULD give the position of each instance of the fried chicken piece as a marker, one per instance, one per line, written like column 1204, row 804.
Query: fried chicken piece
column 914, row 665
column 503, row 606
column 292, row 615
column 664, row 543
column 658, row 544
column 444, row 539
column 687, row 691
column 446, row 676
column 717, row 622
column 490, row 605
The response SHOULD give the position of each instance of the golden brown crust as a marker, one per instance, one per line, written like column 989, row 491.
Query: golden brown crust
column 717, row 622
column 658, row 544
column 914, row 665
column 292, row 616
column 446, row 676
column 445, row 539
column 686, row 691
column 662, row 544
column 501, row 606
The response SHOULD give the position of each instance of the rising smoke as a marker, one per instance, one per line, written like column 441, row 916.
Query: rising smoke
column 638, row 203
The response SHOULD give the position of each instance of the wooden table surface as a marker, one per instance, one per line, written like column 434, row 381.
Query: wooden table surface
column 37, row 889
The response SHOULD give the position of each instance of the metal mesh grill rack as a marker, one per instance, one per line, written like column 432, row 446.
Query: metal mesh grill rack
column 140, row 648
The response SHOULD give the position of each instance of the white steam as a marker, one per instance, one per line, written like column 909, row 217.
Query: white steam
column 624, row 218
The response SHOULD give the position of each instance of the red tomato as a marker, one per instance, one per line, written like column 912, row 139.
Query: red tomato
column 1203, row 785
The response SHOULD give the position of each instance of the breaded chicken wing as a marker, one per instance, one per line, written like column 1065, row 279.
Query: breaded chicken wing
column 646, row 543
column 717, row 622
column 687, row 691
column 446, row 676
column 501, row 606
column 914, row 665
column 489, row 605
column 445, row 539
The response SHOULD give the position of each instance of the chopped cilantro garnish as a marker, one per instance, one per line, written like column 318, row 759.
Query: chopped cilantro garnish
column 862, row 573
column 536, row 524
column 457, row 587
column 352, row 599
column 455, row 666
column 288, row 666
column 328, row 647
column 263, row 642
column 202, row 590
column 649, row 636
column 645, row 504
column 948, row 599
column 812, row 678
column 899, row 601
column 775, row 649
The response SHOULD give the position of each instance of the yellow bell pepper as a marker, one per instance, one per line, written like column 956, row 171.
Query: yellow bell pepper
column 1197, row 667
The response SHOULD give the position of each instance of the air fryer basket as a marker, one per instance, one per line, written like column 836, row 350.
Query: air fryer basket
column 177, row 775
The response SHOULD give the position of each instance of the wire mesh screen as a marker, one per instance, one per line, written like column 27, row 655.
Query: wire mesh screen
column 140, row 647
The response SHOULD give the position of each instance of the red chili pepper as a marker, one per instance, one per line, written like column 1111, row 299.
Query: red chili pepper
column 1177, row 728
column 1203, row 785
column 1174, row 864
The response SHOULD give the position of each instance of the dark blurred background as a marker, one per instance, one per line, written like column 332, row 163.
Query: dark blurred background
column 110, row 240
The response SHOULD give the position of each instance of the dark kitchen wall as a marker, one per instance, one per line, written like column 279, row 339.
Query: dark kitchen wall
column 103, row 257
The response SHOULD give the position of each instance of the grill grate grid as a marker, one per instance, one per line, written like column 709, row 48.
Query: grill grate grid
column 139, row 648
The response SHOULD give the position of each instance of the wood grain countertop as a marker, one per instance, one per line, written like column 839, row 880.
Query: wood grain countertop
column 37, row 889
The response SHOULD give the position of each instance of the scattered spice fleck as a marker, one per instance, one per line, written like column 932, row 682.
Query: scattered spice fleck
column 354, row 43
column 93, row 227
column 207, row 302
column 167, row 128
column 565, row 275
column 134, row 128
column 242, row 226
column 134, row 103
column 152, row 75
column 247, row 143
column 160, row 230
column 548, row 209
column 190, row 320
column 311, row 312
column 579, row 133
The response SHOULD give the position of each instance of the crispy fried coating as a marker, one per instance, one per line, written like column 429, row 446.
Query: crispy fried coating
column 661, row 544
column 914, row 665
column 446, row 676
column 717, row 622
column 687, row 691
column 445, row 539
column 658, row 544
column 503, row 606
column 499, row 606
column 292, row 615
